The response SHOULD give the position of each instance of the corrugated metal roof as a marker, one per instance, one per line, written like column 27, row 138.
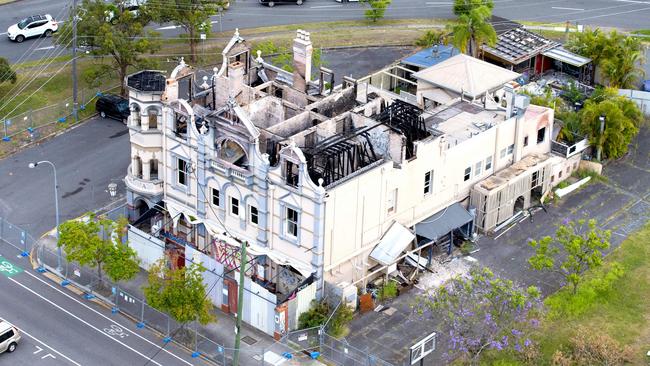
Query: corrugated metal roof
column 443, row 222
column 431, row 56
column 563, row 55
column 518, row 45
column 392, row 244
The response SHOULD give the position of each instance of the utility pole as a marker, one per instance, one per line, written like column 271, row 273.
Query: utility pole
column 75, row 104
column 601, row 138
column 240, row 303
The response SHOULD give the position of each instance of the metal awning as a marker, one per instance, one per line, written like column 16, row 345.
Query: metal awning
column 443, row 222
column 392, row 244
column 563, row 55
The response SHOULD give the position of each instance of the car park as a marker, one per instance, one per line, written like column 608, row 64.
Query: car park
column 33, row 26
column 9, row 337
column 272, row 3
column 113, row 106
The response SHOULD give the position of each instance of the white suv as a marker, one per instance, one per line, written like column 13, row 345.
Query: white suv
column 9, row 337
column 34, row 26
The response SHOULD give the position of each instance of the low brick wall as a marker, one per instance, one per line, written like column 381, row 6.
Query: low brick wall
column 591, row 166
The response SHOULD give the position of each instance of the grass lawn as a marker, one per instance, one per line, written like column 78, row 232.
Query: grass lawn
column 621, row 311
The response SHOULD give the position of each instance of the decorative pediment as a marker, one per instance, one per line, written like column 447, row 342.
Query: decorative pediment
column 290, row 199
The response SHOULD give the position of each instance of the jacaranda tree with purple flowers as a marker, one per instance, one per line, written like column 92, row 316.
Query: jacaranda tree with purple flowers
column 482, row 311
column 577, row 247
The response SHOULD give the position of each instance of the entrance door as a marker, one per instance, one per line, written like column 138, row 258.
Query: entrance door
column 232, row 294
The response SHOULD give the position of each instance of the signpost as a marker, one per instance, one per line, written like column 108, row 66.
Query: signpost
column 421, row 349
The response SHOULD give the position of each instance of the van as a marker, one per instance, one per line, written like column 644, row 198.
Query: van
column 9, row 337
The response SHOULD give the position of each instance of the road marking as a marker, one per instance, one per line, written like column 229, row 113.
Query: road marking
column 107, row 318
column 325, row 6
column 633, row 1
column 3, row 33
column 8, row 269
column 44, row 48
column 83, row 321
column 45, row 344
column 438, row 3
column 561, row 8
column 169, row 27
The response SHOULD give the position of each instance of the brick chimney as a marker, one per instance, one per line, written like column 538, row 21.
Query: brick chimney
column 302, row 53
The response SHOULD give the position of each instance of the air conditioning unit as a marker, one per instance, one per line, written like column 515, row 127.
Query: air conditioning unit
column 347, row 293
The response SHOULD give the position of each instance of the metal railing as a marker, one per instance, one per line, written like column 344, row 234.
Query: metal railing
column 299, row 345
column 35, row 124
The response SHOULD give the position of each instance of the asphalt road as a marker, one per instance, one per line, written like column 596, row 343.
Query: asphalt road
column 59, row 327
column 626, row 14
column 87, row 158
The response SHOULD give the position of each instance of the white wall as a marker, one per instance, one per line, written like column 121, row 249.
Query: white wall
column 641, row 98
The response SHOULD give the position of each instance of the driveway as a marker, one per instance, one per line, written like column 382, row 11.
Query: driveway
column 621, row 204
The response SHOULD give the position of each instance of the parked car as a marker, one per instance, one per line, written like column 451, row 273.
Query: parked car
column 272, row 3
column 34, row 26
column 9, row 337
column 114, row 106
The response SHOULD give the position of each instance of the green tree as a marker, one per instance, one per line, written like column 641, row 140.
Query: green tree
column 192, row 15
column 465, row 6
column 623, row 69
column 179, row 292
column 96, row 242
column 622, row 121
column 6, row 73
column 432, row 37
column 472, row 29
column 481, row 311
column 123, row 263
column 618, row 57
column 105, row 30
column 377, row 9
column 576, row 247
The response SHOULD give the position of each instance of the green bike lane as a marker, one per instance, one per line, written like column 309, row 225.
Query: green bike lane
column 60, row 327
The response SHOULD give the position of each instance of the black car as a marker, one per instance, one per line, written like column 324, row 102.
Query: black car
column 272, row 3
column 109, row 105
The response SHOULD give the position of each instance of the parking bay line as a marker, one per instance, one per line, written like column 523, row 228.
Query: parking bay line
column 83, row 321
column 325, row 6
column 43, row 343
column 107, row 318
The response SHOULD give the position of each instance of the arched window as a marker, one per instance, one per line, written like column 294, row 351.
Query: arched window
column 152, row 113
column 233, row 153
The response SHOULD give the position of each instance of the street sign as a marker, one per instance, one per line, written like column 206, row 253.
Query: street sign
column 8, row 269
column 421, row 349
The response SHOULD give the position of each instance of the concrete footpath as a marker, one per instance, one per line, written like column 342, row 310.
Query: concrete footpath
column 253, row 344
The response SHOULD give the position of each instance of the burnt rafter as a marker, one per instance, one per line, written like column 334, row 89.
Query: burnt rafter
column 405, row 118
column 335, row 160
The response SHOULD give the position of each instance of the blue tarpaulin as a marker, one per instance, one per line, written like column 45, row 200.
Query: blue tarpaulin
column 431, row 56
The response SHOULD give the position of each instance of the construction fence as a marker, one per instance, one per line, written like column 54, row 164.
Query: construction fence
column 300, row 347
column 34, row 124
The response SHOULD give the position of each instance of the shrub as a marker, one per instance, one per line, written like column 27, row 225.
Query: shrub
column 590, row 347
column 388, row 291
column 320, row 312
column 315, row 316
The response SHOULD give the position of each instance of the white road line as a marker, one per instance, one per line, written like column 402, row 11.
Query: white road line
column 561, row 8
column 44, row 48
column 438, row 3
column 168, row 27
column 2, row 34
column 633, row 1
column 107, row 318
column 83, row 321
column 43, row 343
column 325, row 6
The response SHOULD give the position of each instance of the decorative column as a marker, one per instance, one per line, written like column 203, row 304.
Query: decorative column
column 144, row 121
column 135, row 166
column 146, row 170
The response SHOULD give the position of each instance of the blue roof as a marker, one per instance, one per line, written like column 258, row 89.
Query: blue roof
column 431, row 56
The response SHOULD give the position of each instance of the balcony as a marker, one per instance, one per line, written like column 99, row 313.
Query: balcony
column 229, row 170
column 562, row 149
column 149, row 138
column 152, row 187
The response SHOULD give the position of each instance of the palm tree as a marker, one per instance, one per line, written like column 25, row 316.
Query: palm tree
column 472, row 29
column 622, row 69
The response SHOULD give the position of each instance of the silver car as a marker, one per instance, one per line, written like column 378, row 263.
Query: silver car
column 9, row 337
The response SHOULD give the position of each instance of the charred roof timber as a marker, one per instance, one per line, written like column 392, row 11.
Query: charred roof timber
column 147, row 81
column 405, row 118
